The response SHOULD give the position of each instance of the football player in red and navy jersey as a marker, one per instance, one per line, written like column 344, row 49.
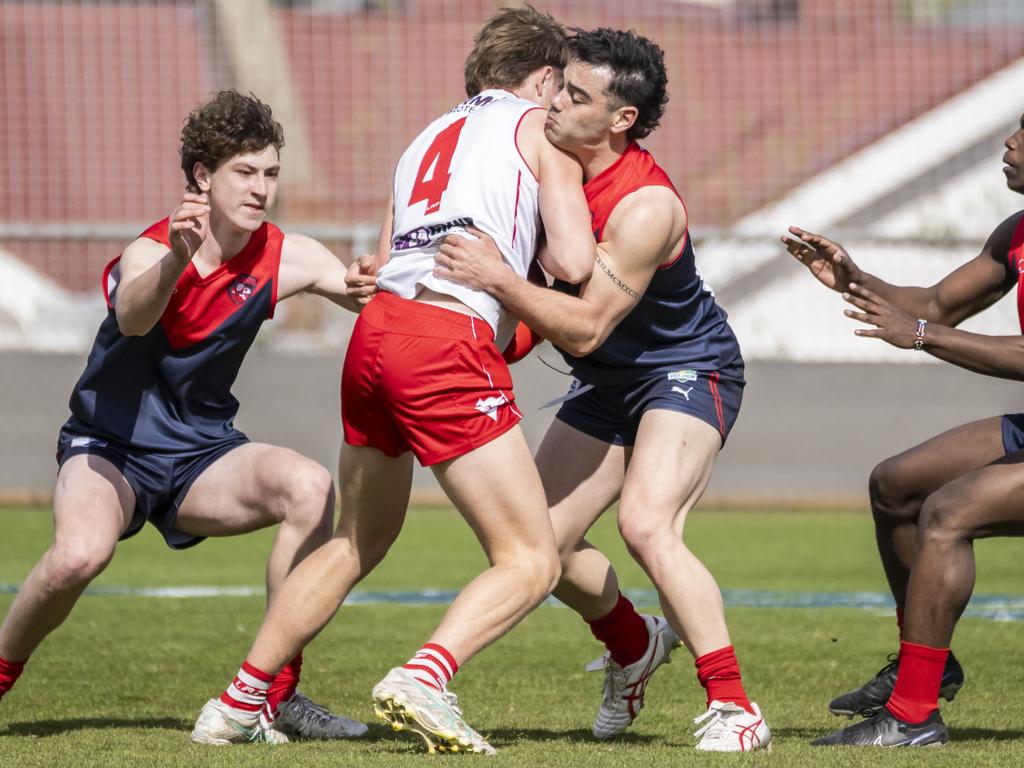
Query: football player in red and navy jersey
column 658, row 383
column 151, row 435
column 932, row 501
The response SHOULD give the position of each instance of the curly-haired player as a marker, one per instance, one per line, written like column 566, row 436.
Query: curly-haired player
column 151, row 434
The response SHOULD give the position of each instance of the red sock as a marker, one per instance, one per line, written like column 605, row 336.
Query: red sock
column 918, row 680
column 719, row 673
column 284, row 684
column 623, row 632
column 247, row 692
column 10, row 671
column 433, row 666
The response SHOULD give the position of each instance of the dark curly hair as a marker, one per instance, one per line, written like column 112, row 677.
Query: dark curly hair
column 226, row 125
column 638, row 72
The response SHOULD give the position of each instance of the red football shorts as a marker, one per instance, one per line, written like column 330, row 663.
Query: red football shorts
column 426, row 379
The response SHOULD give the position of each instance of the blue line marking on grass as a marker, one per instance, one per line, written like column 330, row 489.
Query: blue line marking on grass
column 993, row 607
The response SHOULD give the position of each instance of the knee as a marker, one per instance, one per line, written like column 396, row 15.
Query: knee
column 644, row 536
column 542, row 570
column 306, row 496
column 942, row 520
column 889, row 491
column 71, row 566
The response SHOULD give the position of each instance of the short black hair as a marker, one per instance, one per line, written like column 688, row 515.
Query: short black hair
column 638, row 72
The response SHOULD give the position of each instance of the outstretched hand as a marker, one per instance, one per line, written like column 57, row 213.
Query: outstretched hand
column 361, row 279
column 189, row 225
column 827, row 260
column 474, row 263
column 892, row 323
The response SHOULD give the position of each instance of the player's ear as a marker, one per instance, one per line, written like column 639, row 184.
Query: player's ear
column 624, row 118
column 202, row 176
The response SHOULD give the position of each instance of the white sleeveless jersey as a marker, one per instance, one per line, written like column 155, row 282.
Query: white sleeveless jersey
column 465, row 168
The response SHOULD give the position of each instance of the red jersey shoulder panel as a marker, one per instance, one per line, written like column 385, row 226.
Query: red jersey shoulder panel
column 635, row 169
column 199, row 305
column 1015, row 259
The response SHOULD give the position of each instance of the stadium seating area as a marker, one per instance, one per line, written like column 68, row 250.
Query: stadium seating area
column 94, row 96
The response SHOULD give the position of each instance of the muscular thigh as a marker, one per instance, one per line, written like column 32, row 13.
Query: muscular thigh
column 983, row 503
column 240, row 491
column 91, row 502
column 498, row 492
column 582, row 477
column 923, row 469
column 669, row 467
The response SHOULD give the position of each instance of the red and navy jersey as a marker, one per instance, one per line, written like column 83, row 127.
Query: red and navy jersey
column 677, row 324
column 1015, row 260
column 170, row 390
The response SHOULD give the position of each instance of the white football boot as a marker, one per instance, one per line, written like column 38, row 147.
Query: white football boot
column 304, row 718
column 218, row 725
column 624, row 687
column 730, row 728
column 405, row 703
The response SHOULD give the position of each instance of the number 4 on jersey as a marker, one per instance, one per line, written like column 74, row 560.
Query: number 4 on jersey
column 436, row 162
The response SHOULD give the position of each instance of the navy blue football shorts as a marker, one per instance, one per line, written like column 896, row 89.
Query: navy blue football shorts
column 612, row 413
column 160, row 480
column 1013, row 432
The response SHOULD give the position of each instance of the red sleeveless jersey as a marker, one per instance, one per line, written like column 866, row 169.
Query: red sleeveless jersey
column 199, row 304
column 169, row 390
column 635, row 169
column 1015, row 258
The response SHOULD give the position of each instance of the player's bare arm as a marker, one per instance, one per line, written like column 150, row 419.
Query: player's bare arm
column 569, row 252
column 645, row 230
column 307, row 265
column 965, row 292
column 361, row 279
column 149, row 271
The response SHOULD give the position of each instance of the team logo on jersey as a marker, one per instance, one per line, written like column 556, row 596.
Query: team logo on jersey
column 489, row 406
column 426, row 237
column 1020, row 266
column 240, row 290
column 684, row 375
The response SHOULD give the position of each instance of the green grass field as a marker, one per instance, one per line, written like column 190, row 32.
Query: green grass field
column 122, row 681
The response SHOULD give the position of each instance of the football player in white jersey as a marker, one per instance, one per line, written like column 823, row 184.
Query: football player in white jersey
column 424, row 375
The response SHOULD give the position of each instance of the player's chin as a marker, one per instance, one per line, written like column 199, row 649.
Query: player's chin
column 251, row 218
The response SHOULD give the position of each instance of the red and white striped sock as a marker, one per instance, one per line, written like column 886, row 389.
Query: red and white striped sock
column 9, row 673
column 247, row 693
column 433, row 666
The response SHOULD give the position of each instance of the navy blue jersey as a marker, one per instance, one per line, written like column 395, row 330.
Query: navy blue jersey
column 169, row 391
column 677, row 324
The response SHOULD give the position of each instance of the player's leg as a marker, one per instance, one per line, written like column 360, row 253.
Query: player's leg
column 92, row 506
column 652, row 515
column 254, row 486
column 980, row 504
column 498, row 492
column 582, row 477
column 900, row 484
column 898, row 489
column 374, row 497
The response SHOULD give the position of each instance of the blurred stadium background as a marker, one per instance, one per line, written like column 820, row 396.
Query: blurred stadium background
column 880, row 121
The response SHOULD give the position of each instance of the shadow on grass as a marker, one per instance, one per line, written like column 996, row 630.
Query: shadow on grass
column 956, row 735
column 507, row 736
column 42, row 728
